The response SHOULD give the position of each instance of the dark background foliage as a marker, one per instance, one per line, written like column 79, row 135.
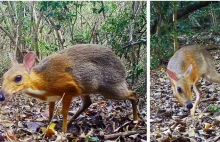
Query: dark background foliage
column 195, row 20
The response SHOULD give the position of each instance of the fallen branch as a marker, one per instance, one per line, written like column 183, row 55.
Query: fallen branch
column 209, row 99
column 124, row 125
column 113, row 136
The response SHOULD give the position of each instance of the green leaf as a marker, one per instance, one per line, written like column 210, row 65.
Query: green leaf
column 95, row 10
column 94, row 139
column 114, row 6
column 101, row 10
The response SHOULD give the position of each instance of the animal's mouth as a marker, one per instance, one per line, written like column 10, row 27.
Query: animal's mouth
column 2, row 95
column 189, row 105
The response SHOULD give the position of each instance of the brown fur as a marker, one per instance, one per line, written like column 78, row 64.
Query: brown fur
column 77, row 71
column 202, row 67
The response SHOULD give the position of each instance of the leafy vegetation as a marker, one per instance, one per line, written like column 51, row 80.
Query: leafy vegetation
column 192, row 18
column 49, row 26
column 176, row 24
column 214, row 108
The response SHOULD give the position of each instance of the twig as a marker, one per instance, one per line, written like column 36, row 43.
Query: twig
column 56, row 107
column 132, row 44
column 2, row 15
column 113, row 136
column 17, row 120
column 7, row 33
column 84, row 19
column 6, row 19
column 103, row 11
column 124, row 125
column 93, row 31
column 209, row 99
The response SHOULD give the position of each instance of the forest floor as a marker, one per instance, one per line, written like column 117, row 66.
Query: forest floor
column 171, row 122
column 25, row 119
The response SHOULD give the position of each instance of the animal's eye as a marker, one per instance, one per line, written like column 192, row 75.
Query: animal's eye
column 179, row 90
column 191, row 87
column 18, row 78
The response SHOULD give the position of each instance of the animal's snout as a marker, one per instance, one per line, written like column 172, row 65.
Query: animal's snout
column 2, row 96
column 189, row 105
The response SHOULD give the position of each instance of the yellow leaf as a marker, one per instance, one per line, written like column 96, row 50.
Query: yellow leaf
column 50, row 131
column 207, row 126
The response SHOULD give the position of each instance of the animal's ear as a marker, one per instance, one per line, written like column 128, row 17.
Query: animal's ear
column 13, row 59
column 172, row 75
column 189, row 70
column 29, row 60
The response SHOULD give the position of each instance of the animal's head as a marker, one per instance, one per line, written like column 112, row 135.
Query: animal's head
column 17, row 78
column 182, row 87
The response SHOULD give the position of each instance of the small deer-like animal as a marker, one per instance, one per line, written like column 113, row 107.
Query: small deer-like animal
column 77, row 71
column 185, row 68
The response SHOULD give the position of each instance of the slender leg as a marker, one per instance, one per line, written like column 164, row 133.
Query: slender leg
column 86, row 102
column 213, row 76
column 51, row 110
column 124, row 94
column 65, row 109
column 132, row 98
column 198, row 98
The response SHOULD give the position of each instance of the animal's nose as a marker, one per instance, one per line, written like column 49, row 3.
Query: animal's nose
column 189, row 105
column 2, row 97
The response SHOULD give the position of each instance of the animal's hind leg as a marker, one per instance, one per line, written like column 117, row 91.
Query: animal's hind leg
column 213, row 76
column 132, row 98
column 120, row 92
column 86, row 102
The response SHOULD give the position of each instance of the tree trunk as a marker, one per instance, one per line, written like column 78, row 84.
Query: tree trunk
column 175, row 26
column 183, row 12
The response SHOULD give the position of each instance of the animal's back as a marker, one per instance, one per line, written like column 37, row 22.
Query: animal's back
column 198, row 56
column 93, row 67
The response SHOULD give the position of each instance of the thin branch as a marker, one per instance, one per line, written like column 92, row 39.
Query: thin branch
column 132, row 44
column 72, row 25
column 8, row 15
column 103, row 12
column 6, row 19
column 136, row 9
column 57, row 32
column 7, row 33
column 84, row 19
column 182, row 12
column 113, row 136
column 92, row 33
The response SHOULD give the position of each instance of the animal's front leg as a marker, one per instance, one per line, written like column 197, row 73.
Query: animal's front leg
column 51, row 110
column 65, row 109
column 198, row 98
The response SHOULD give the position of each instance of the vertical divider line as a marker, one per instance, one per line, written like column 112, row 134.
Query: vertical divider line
column 148, row 70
